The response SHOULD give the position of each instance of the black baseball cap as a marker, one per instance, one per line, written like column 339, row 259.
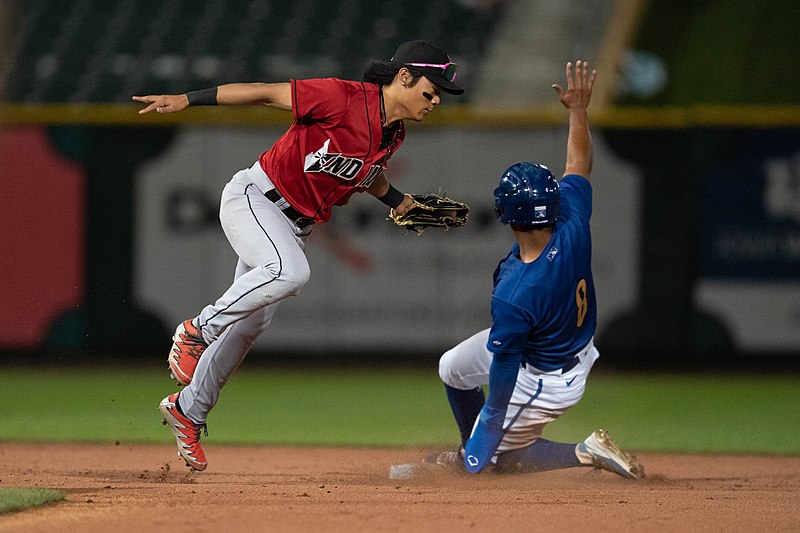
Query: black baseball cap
column 430, row 60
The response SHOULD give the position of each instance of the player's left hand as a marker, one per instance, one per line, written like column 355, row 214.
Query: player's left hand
column 404, row 206
column 579, row 86
column 485, row 439
column 164, row 103
column 420, row 211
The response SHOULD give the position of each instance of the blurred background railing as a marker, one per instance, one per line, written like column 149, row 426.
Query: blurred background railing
column 109, row 221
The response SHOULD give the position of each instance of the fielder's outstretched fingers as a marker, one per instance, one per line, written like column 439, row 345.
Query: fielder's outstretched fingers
column 151, row 100
column 166, row 103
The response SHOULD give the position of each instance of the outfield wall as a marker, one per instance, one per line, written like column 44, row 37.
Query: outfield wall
column 373, row 288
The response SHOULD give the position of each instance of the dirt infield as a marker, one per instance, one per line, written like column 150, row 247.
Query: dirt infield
column 132, row 487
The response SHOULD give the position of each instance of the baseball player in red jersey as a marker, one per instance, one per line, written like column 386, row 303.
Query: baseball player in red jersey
column 340, row 142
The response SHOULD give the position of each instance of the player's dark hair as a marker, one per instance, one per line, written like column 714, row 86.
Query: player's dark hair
column 383, row 72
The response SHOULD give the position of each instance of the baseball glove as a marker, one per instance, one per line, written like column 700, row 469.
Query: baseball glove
column 432, row 210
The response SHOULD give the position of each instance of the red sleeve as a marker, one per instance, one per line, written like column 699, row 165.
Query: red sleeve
column 320, row 99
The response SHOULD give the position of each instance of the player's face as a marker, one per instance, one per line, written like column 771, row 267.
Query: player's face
column 424, row 96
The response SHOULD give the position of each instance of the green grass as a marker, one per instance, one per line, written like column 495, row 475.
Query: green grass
column 18, row 499
column 323, row 406
column 707, row 413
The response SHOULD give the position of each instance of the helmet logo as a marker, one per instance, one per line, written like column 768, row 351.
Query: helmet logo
column 540, row 211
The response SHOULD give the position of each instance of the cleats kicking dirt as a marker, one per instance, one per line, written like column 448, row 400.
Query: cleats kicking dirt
column 187, row 347
column 442, row 463
column 607, row 455
column 448, row 461
column 187, row 433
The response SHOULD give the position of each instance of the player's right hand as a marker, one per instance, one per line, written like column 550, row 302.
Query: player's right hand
column 165, row 103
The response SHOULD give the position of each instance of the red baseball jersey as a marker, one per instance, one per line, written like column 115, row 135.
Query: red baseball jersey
column 332, row 149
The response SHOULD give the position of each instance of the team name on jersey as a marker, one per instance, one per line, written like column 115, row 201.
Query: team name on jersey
column 339, row 165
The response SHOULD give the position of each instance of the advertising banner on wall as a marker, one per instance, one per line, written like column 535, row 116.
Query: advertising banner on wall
column 750, row 235
column 373, row 286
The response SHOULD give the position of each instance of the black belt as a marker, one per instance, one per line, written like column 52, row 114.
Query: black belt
column 299, row 219
column 566, row 368
column 572, row 364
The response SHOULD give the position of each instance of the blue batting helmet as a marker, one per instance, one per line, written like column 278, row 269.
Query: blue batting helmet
column 527, row 195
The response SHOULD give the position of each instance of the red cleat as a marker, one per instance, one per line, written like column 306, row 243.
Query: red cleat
column 187, row 433
column 187, row 347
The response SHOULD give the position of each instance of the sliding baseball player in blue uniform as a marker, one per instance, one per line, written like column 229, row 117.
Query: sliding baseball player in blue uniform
column 537, row 355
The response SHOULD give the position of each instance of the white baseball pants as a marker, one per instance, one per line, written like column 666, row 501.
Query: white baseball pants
column 272, row 266
column 538, row 398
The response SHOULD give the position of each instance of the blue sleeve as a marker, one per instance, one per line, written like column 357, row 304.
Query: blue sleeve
column 511, row 327
column 576, row 196
column 502, row 380
column 507, row 342
column 488, row 433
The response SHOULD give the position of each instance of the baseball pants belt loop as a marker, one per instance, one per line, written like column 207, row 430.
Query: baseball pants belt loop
column 300, row 220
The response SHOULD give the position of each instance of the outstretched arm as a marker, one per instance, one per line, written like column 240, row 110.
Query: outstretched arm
column 576, row 99
column 278, row 95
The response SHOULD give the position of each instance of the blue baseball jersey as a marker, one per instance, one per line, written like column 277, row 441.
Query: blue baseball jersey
column 544, row 312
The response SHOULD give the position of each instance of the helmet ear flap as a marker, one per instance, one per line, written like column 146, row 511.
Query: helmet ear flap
column 527, row 195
